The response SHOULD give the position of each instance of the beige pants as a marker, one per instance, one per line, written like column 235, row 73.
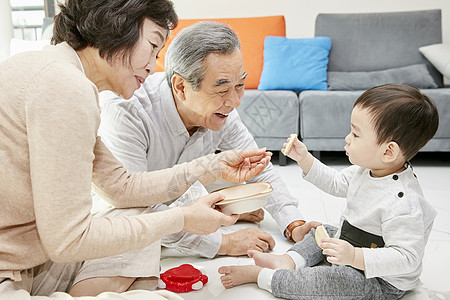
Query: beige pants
column 22, row 290
column 56, row 279
column 139, row 263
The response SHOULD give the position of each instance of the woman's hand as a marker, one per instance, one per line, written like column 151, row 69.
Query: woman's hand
column 201, row 218
column 241, row 165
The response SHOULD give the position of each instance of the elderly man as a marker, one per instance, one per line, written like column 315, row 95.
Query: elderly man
column 188, row 112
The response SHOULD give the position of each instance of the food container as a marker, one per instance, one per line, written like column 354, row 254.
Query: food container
column 244, row 198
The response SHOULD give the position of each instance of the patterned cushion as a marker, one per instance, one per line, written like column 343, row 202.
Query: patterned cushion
column 251, row 32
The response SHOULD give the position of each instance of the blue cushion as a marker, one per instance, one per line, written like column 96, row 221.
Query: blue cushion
column 295, row 64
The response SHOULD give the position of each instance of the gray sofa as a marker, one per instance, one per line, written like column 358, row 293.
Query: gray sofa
column 379, row 46
column 270, row 116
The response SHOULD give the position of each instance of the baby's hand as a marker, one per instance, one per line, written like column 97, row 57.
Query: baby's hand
column 340, row 252
column 294, row 149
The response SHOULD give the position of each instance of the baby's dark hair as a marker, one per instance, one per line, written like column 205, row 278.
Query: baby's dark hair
column 111, row 26
column 401, row 113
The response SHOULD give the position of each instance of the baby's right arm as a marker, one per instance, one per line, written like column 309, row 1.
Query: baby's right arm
column 296, row 150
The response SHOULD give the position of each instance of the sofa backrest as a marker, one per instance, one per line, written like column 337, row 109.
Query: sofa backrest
column 363, row 42
column 251, row 32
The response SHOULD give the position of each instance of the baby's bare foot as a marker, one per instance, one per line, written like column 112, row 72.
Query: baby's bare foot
column 271, row 261
column 237, row 275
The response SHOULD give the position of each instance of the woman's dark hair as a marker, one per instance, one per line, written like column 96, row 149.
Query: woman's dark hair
column 111, row 26
column 401, row 113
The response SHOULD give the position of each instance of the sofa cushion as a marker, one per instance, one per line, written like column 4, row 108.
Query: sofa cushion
column 325, row 118
column 415, row 75
column 251, row 32
column 439, row 56
column 365, row 42
column 441, row 140
column 441, row 98
column 295, row 64
column 270, row 116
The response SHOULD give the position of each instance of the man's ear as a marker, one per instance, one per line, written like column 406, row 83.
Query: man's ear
column 391, row 152
column 179, row 87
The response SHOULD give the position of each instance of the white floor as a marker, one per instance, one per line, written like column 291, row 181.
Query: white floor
column 433, row 171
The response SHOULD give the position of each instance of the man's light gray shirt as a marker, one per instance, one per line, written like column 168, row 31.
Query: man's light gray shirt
column 146, row 133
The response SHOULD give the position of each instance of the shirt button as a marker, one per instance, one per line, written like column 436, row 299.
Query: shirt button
column 400, row 194
column 395, row 177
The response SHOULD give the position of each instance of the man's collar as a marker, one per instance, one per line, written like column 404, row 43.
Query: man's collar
column 170, row 110
column 171, row 113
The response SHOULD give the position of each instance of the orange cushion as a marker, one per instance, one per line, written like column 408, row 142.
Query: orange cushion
column 251, row 32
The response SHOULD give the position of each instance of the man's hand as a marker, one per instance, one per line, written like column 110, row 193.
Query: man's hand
column 239, row 242
column 241, row 165
column 299, row 232
column 254, row 216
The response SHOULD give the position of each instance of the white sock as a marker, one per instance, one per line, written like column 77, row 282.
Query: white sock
column 264, row 280
column 299, row 261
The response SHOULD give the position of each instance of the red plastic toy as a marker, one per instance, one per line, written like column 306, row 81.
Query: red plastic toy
column 182, row 279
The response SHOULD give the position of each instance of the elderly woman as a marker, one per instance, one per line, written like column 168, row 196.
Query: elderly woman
column 51, row 156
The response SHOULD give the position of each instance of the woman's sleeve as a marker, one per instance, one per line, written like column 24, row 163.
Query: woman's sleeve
column 122, row 189
column 62, row 118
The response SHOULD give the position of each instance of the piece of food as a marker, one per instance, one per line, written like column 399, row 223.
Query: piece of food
column 321, row 233
column 291, row 142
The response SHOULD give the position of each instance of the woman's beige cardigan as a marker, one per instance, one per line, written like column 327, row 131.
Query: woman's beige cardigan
column 51, row 156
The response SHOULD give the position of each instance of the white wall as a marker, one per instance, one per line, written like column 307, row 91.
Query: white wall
column 6, row 30
column 300, row 14
column 57, row 5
